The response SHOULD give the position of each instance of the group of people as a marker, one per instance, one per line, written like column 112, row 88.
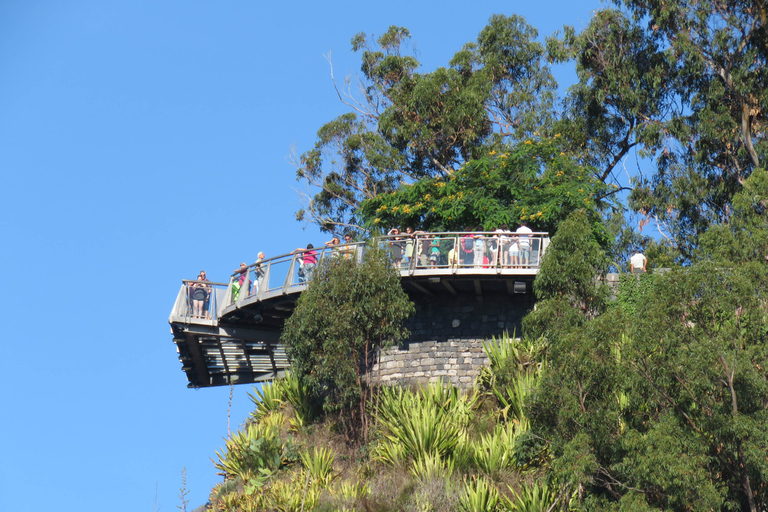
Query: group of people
column 412, row 245
column 252, row 287
column 503, row 248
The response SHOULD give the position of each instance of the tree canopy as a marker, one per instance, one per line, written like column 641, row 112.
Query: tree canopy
column 405, row 125
column 533, row 181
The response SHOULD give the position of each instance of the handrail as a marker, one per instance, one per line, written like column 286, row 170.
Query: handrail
column 420, row 253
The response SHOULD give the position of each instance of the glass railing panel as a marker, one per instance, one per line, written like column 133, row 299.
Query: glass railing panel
column 198, row 300
column 278, row 270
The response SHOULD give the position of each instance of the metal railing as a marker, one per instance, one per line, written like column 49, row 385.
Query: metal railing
column 412, row 254
column 454, row 251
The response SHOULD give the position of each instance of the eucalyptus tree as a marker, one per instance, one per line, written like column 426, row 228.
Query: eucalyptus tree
column 682, row 82
column 406, row 125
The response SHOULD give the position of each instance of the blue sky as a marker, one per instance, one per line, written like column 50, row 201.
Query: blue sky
column 141, row 142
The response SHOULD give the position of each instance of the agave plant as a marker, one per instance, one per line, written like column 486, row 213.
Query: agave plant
column 267, row 399
column 319, row 464
column 291, row 496
column 352, row 490
column 431, row 467
column 536, row 498
column 418, row 424
column 523, row 355
column 512, row 396
column 275, row 395
column 479, row 496
column 251, row 449
column 491, row 454
column 448, row 398
column 296, row 393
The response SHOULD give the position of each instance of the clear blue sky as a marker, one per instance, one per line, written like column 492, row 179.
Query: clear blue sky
column 140, row 142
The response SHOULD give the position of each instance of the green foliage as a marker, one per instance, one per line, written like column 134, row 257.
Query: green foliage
column 665, row 394
column 254, row 450
column 633, row 289
column 624, row 82
column 319, row 464
column 534, row 180
column 289, row 390
column 413, row 125
column 267, row 399
column 744, row 238
column 715, row 138
column 494, row 453
column 479, row 496
column 511, row 374
column 348, row 312
column 431, row 466
column 568, row 285
column 535, row 498
column 416, row 425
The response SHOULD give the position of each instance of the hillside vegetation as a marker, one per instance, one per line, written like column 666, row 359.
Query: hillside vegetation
column 656, row 400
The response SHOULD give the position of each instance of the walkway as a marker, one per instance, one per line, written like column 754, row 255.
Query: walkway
column 237, row 339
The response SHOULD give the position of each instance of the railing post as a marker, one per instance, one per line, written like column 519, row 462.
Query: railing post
column 289, row 278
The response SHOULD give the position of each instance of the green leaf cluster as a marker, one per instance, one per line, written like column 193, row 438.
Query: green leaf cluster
column 534, row 181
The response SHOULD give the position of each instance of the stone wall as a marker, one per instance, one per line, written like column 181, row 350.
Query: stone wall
column 447, row 334
column 446, row 338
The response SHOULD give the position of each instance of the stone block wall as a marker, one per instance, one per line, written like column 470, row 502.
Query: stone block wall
column 446, row 339
column 455, row 361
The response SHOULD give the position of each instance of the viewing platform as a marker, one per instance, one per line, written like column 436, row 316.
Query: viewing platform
column 235, row 337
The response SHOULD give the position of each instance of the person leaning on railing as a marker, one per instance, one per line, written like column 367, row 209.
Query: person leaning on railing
column 333, row 244
column 308, row 262
column 240, row 281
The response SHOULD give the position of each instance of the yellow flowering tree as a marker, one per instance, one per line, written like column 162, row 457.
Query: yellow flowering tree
column 536, row 180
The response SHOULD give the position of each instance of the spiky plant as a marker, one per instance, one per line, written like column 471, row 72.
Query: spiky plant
column 535, row 498
column 479, row 495
column 319, row 464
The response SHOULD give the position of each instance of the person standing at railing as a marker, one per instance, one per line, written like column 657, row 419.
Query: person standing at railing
column 408, row 246
column 333, row 244
column 208, row 290
column 420, row 249
column 479, row 248
column 308, row 262
column 467, row 248
column 258, row 272
column 524, row 241
column 424, row 245
column 514, row 252
column 504, row 242
column 348, row 250
column 434, row 253
column 637, row 263
column 240, row 281
column 396, row 245
column 200, row 294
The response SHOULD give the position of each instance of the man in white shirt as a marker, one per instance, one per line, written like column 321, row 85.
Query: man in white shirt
column 524, row 242
column 637, row 263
